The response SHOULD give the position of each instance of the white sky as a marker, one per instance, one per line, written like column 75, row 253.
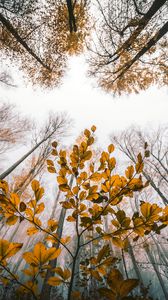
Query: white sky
column 87, row 105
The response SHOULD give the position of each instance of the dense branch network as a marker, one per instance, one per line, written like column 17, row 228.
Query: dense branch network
column 130, row 31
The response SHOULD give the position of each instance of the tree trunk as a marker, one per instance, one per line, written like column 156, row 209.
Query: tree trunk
column 135, row 265
column 72, row 21
column 155, row 267
column 16, row 164
column 16, row 35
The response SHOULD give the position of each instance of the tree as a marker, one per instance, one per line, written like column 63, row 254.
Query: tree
column 94, row 195
column 55, row 127
column 42, row 35
column 130, row 51
column 131, row 141
column 13, row 127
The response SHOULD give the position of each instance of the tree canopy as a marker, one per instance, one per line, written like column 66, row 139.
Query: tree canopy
column 39, row 36
column 128, row 51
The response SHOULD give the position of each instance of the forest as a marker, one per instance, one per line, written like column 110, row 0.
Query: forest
column 81, row 218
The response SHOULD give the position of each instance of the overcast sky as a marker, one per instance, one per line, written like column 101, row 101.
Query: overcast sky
column 86, row 104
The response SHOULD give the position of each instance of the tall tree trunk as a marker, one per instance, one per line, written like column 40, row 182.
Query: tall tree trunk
column 19, row 39
column 16, row 164
column 156, row 5
column 135, row 265
column 146, row 48
column 161, row 251
column 155, row 267
column 106, row 230
column 72, row 21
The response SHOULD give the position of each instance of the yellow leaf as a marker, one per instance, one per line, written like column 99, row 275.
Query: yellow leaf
column 12, row 220
column 39, row 251
column 87, row 133
column 65, row 240
column 116, row 181
column 75, row 189
column 32, row 271
column 96, row 176
column 145, row 209
column 54, row 144
column 107, row 293
column 129, row 172
column 32, row 203
column 14, row 198
column 50, row 162
column 139, row 167
column 112, row 163
column 92, row 196
column 4, row 186
column 51, row 254
column 61, row 180
column 105, row 188
column 39, row 208
column 93, row 128
column 4, row 244
column 54, row 281
column 8, row 249
column 82, row 207
column 101, row 270
column 87, row 155
column 67, row 205
column 96, row 275
column 54, row 152
column 90, row 141
column 59, row 271
column 22, row 206
column 82, row 195
column 35, row 185
column 111, row 148
column 51, row 169
column 118, row 242
column 71, row 219
column 64, row 187
column 105, row 156
column 37, row 221
column 76, row 295
column 139, row 157
column 67, row 274
column 32, row 230
column 30, row 259
column 102, row 253
column 127, row 286
column 39, row 193
column 13, row 249
column 83, row 175
column 52, row 224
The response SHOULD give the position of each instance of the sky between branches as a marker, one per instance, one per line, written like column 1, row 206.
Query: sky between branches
column 87, row 104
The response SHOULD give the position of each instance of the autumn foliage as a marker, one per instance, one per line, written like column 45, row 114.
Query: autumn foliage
column 97, row 193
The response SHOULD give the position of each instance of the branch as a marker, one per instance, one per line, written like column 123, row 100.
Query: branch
column 19, row 39
column 72, row 21
column 146, row 48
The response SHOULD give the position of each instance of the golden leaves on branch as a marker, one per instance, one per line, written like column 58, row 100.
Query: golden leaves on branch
column 97, row 191
column 64, row 275
column 8, row 249
column 118, row 287
column 41, row 255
